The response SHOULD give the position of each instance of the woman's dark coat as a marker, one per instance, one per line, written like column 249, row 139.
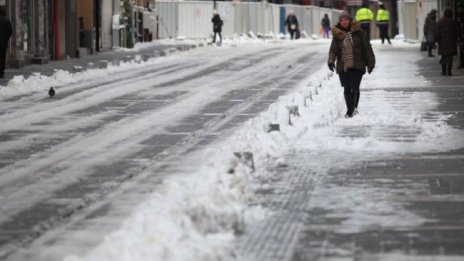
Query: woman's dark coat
column 325, row 22
column 430, row 27
column 362, row 50
column 291, row 19
column 5, row 31
column 217, row 23
column 447, row 37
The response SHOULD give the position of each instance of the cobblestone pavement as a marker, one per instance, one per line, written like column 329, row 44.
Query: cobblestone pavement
column 328, row 205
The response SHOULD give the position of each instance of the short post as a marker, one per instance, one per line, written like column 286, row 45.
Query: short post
column 103, row 64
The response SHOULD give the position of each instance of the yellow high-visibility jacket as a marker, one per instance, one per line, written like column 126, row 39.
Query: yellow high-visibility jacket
column 383, row 16
column 364, row 15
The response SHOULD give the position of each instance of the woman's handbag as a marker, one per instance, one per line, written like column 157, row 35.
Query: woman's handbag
column 438, row 37
column 423, row 46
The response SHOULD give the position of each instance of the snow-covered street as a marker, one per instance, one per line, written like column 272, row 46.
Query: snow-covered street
column 173, row 158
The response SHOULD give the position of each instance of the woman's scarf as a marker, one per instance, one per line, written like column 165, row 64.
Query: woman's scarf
column 347, row 52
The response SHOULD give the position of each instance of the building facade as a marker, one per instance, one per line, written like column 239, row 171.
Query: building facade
column 46, row 30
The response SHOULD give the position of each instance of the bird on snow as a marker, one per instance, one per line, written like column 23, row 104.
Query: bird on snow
column 51, row 92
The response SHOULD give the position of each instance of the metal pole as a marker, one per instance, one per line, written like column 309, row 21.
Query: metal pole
column 214, row 4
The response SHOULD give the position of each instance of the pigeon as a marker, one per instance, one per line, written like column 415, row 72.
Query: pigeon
column 51, row 92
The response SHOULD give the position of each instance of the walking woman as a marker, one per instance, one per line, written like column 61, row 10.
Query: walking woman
column 352, row 53
column 325, row 23
column 292, row 25
column 217, row 26
column 430, row 30
column 447, row 38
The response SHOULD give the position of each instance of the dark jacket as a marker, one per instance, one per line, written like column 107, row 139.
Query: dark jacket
column 431, row 27
column 5, row 31
column 217, row 23
column 362, row 50
column 325, row 22
column 291, row 19
column 447, row 36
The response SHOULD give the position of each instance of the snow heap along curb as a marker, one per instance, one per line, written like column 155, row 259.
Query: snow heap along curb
column 20, row 85
column 195, row 216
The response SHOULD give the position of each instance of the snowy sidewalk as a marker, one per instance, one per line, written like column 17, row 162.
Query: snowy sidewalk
column 141, row 51
column 385, row 185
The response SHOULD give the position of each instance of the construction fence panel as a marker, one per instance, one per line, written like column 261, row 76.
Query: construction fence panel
column 307, row 21
column 316, row 18
column 253, row 16
column 227, row 12
column 241, row 16
column 195, row 19
column 167, row 19
column 275, row 19
column 192, row 19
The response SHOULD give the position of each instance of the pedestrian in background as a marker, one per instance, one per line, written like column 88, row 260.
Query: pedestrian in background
column 447, row 38
column 383, row 19
column 352, row 52
column 325, row 23
column 5, row 34
column 430, row 30
column 292, row 24
column 364, row 16
column 217, row 26
column 460, row 19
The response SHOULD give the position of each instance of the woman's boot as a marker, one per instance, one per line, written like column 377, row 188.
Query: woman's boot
column 443, row 69
column 356, row 94
column 347, row 102
column 350, row 100
column 450, row 66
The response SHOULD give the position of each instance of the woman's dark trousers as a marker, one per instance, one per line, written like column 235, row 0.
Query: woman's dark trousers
column 220, row 37
column 430, row 47
column 2, row 61
column 446, row 64
column 351, row 80
column 366, row 27
column 384, row 33
column 292, row 34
